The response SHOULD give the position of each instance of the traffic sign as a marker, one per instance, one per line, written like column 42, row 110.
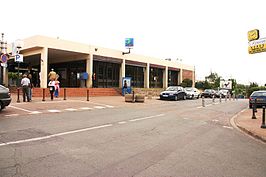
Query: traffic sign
column 4, row 58
column 18, row 58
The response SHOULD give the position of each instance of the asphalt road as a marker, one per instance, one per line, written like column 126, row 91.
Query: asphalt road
column 162, row 138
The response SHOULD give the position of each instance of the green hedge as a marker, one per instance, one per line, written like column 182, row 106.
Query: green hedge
column 252, row 89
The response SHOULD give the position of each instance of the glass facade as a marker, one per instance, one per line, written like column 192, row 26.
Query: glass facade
column 156, row 77
column 137, row 75
column 172, row 78
column 106, row 74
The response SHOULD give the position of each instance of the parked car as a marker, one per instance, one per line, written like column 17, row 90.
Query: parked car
column 208, row 93
column 5, row 97
column 173, row 93
column 224, row 93
column 260, row 96
column 192, row 92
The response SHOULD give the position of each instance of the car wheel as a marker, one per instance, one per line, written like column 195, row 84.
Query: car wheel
column 176, row 98
column 185, row 97
column 250, row 106
column 198, row 97
column 1, row 106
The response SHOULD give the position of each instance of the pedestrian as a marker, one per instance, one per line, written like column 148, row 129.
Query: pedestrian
column 25, row 83
column 52, row 75
column 30, row 86
column 125, row 87
column 56, row 93
column 51, row 85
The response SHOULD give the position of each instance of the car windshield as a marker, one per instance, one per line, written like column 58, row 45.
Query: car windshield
column 207, row 90
column 259, row 94
column 189, row 89
column 172, row 89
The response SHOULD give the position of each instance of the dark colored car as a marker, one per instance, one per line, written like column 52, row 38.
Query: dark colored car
column 260, row 97
column 5, row 98
column 173, row 93
column 208, row 93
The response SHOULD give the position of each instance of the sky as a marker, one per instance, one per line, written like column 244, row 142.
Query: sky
column 208, row 34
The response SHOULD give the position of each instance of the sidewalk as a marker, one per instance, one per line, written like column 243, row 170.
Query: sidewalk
column 251, row 126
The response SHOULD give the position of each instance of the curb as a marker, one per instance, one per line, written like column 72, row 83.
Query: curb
column 234, row 123
column 251, row 134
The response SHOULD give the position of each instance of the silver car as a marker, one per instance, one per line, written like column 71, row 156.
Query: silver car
column 192, row 92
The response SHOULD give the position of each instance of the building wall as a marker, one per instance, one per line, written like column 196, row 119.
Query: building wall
column 187, row 74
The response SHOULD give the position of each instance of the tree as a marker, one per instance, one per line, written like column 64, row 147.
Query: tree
column 212, row 81
column 186, row 83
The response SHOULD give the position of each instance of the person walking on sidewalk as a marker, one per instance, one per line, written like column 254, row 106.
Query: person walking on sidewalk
column 56, row 93
column 52, row 75
column 25, row 82
column 30, row 86
column 51, row 86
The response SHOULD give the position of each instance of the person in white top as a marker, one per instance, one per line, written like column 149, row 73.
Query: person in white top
column 25, row 82
column 51, row 85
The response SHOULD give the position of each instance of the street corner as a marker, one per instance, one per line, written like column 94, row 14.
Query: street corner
column 251, row 126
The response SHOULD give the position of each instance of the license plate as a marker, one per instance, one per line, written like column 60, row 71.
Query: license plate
column 165, row 95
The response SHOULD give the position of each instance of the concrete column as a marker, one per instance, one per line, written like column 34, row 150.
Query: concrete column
column 180, row 76
column 44, row 67
column 122, row 72
column 193, row 77
column 89, row 69
column 147, row 76
column 165, row 77
column 5, row 76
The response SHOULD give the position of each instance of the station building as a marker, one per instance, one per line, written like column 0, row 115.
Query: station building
column 105, row 67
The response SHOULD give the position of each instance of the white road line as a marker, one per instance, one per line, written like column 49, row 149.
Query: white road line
column 86, row 108
column 208, row 105
column 55, row 135
column 199, row 107
column 98, row 107
column 70, row 109
column 53, row 110
column 35, row 112
column 228, row 127
column 122, row 122
column 144, row 118
column 20, row 108
column 215, row 120
column 108, row 106
column 102, row 104
column 11, row 115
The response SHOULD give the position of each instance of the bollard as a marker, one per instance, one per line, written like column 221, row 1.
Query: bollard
column 220, row 98
column 88, row 95
column 43, row 94
column 230, row 97
column 256, row 105
column 64, row 93
column 133, row 97
column 225, row 98
column 213, row 98
column 253, row 111
column 18, row 101
column 263, row 118
column 203, row 102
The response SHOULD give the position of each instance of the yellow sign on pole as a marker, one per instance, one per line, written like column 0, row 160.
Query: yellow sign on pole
column 253, row 35
column 257, row 46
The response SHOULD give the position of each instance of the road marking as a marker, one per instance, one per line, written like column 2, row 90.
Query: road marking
column 11, row 115
column 199, row 107
column 108, row 106
column 20, row 109
column 99, row 107
column 228, row 127
column 86, row 108
column 144, row 118
column 70, row 109
column 208, row 105
column 53, row 110
column 55, row 135
column 215, row 120
column 35, row 112
column 123, row 122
